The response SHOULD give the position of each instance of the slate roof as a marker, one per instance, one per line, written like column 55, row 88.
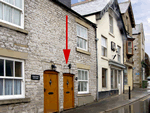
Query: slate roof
column 124, row 6
column 137, row 29
column 90, row 7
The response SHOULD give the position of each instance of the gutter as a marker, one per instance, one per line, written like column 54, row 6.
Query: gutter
column 96, row 40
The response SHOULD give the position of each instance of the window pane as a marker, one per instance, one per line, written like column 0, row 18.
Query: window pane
column 9, row 68
column 7, row 13
column 18, row 69
column 8, row 87
column 129, row 44
column 1, row 11
column 18, row 3
column 9, row 1
column 130, row 50
column 79, row 74
column 79, row 84
column 78, row 42
column 1, row 86
column 84, row 44
column 104, row 76
column 84, row 86
column 86, row 76
column 78, row 30
column 1, row 67
column 82, row 75
column 81, row 43
column 16, row 17
column 17, row 87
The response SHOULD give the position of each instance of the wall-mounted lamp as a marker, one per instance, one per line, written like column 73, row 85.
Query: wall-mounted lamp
column 76, row 78
column 53, row 67
column 69, row 66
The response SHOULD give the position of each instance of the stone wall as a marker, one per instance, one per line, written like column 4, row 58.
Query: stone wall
column 46, row 25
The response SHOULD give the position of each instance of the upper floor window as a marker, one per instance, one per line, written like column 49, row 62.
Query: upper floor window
column 119, row 54
column 104, row 46
column 82, row 37
column 11, row 12
column 11, row 78
column 130, row 47
column 111, row 24
column 83, row 81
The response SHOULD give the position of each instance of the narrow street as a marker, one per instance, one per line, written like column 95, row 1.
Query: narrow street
column 142, row 106
column 139, row 103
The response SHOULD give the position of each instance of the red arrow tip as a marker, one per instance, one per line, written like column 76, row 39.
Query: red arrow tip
column 66, row 54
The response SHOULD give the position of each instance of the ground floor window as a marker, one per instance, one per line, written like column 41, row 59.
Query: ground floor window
column 104, row 77
column 114, row 82
column 125, row 76
column 11, row 78
column 83, row 81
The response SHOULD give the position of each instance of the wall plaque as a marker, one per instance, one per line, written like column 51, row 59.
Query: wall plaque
column 35, row 77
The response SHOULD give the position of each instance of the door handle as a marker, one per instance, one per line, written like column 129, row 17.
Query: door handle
column 72, row 88
column 44, row 89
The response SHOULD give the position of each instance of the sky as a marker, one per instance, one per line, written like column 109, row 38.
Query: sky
column 141, row 11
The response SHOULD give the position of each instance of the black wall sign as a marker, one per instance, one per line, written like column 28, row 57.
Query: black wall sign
column 35, row 77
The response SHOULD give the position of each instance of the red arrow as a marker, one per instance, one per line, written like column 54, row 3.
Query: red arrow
column 66, row 51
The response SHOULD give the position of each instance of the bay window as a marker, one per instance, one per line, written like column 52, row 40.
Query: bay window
column 82, row 37
column 130, row 47
column 11, row 78
column 83, row 81
column 12, row 12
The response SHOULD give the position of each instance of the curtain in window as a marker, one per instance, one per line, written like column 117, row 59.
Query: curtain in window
column 1, row 86
column 16, row 17
column 1, row 11
column 8, row 87
column 18, row 3
column 103, row 42
column 7, row 13
column 17, row 87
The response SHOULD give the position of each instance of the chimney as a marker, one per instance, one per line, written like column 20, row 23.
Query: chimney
column 66, row 2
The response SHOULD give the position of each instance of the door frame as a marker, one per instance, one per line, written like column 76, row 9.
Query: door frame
column 52, row 72
column 72, row 75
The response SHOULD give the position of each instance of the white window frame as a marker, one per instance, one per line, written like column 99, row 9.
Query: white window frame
column 104, row 47
column 15, row 7
column 111, row 25
column 82, row 37
column 3, row 97
column 119, row 53
column 84, row 92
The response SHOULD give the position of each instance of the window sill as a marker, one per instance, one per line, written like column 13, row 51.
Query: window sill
column 13, row 28
column 111, row 34
column 14, row 101
column 83, row 51
column 84, row 95
column 104, row 58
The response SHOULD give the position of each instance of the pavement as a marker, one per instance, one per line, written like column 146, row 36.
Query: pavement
column 112, row 103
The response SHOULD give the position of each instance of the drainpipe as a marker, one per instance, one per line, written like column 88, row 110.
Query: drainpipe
column 96, row 40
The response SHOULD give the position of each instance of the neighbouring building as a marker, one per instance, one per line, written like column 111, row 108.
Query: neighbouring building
column 129, row 22
column 139, row 55
column 147, row 68
column 110, row 34
column 34, row 77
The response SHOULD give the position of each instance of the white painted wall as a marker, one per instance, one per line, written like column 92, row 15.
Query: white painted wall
column 103, row 29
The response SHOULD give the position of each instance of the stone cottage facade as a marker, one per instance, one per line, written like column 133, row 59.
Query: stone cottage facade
column 111, row 33
column 129, row 22
column 32, row 60
column 139, row 55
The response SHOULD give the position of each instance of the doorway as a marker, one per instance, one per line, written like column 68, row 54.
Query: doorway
column 51, row 91
column 68, row 86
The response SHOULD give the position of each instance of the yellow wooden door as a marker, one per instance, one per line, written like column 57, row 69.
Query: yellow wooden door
column 68, row 91
column 50, row 92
